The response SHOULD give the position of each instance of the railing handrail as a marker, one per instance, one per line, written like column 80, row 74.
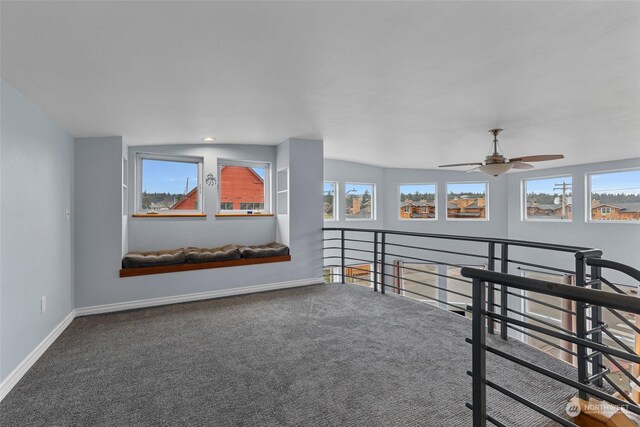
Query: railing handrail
column 576, row 293
column 513, row 242
column 613, row 265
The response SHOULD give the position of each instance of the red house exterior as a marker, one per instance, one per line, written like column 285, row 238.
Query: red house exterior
column 188, row 202
column 240, row 185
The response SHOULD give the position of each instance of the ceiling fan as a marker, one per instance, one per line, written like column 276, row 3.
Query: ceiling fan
column 496, row 164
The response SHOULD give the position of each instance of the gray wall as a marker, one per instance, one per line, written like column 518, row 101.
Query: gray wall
column 36, row 247
column 99, row 227
column 156, row 233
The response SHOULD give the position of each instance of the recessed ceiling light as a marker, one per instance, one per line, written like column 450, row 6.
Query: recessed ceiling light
column 208, row 139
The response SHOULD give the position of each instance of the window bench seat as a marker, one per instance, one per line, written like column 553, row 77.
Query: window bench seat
column 186, row 259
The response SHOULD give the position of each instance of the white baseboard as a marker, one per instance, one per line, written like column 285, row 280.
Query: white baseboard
column 15, row 376
column 153, row 302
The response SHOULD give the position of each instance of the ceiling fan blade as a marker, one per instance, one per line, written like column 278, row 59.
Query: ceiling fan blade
column 460, row 164
column 521, row 165
column 473, row 170
column 540, row 158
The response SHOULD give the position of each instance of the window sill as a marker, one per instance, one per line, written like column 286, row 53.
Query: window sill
column 169, row 216
column 241, row 215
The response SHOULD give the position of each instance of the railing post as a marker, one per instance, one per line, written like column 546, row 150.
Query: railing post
column 583, row 374
column 504, row 268
column 342, row 269
column 491, row 265
column 478, row 353
column 596, row 320
column 375, row 261
column 383, row 251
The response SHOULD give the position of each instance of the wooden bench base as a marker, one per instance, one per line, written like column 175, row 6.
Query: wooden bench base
column 160, row 269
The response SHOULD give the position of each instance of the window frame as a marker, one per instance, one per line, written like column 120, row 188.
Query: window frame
column 336, row 203
column 587, row 211
column 486, row 203
column 435, row 201
column 374, row 197
column 523, row 200
column 268, row 206
column 178, row 158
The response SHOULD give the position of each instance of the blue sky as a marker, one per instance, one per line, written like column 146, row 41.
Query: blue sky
column 420, row 188
column 328, row 187
column 467, row 187
column 546, row 185
column 357, row 188
column 627, row 182
column 168, row 177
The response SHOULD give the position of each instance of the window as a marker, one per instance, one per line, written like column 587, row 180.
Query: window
column 614, row 196
column 168, row 184
column 243, row 187
column 360, row 201
column 329, row 201
column 467, row 201
column 418, row 201
column 547, row 199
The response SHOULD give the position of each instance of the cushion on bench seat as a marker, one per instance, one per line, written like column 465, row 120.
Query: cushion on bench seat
column 261, row 251
column 154, row 258
column 224, row 253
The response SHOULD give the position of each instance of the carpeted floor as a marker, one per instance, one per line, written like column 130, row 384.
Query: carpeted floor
column 326, row 355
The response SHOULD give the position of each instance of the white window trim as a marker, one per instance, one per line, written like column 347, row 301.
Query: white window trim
column 486, row 203
column 523, row 200
column 250, row 164
column 374, row 197
column 336, row 198
column 140, row 156
column 587, row 211
column 435, row 200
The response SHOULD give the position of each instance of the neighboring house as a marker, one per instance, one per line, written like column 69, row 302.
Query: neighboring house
column 422, row 209
column 467, row 207
column 535, row 209
column 241, row 188
column 359, row 209
column 188, row 202
column 615, row 211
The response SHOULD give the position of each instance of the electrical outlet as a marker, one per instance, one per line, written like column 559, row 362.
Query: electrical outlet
column 43, row 304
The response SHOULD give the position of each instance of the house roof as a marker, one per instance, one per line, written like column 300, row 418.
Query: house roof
column 418, row 204
column 624, row 207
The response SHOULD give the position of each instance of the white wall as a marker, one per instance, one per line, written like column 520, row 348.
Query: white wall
column 619, row 242
column 36, row 247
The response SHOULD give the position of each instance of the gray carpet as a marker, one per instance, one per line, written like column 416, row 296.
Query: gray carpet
column 326, row 355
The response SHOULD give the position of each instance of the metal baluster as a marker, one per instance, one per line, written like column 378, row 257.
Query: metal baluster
column 504, row 268
column 478, row 353
column 383, row 250
column 375, row 261
column 342, row 269
column 491, row 265
column 596, row 318
column 583, row 374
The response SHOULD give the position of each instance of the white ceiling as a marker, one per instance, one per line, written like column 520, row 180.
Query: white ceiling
column 398, row 84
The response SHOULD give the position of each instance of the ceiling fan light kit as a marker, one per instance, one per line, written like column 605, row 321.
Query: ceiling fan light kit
column 496, row 164
column 495, row 169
